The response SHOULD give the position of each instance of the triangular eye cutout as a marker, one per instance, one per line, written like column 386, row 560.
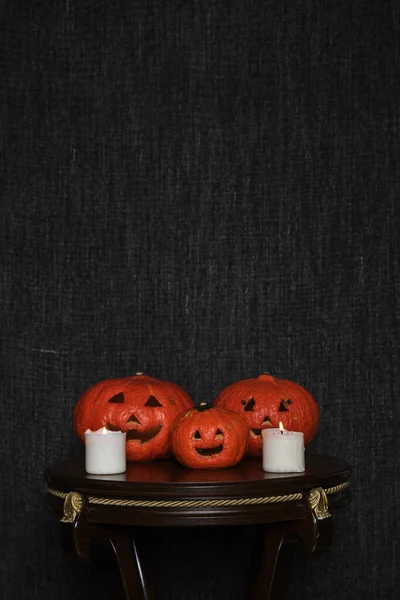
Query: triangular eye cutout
column 196, row 435
column 152, row 402
column 250, row 404
column 284, row 405
column 117, row 399
column 219, row 432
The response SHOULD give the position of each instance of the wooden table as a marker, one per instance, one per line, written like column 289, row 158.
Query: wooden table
column 162, row 493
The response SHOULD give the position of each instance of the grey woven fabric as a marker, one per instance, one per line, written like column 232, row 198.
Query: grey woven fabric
column 201, row 191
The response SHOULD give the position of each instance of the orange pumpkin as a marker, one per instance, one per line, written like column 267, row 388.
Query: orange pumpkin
column 209, row 438
column 142, row 406
column 264, row 401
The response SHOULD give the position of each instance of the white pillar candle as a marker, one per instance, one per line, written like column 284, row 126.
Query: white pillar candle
column 283, row 451
column 105, row 452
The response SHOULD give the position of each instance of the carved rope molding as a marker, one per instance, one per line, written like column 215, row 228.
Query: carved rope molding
column 73, row 501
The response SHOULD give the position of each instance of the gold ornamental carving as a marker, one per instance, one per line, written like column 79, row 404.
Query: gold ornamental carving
column 72, row 507
column 319, row 503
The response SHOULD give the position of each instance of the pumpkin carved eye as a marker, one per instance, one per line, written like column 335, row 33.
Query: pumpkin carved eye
column 196, row 435
column 117, row 399
column 249, row 405
column 284, row 405
column 153, row 402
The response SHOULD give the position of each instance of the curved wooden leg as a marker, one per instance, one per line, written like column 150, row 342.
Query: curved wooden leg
column 135, row 582
column 279, row 584
column 315, row 532
column 274, row 536
column 132, row 572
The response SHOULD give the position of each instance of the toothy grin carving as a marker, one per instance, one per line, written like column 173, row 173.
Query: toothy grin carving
column 142, row 436
column 255, row 432
column 209, row 451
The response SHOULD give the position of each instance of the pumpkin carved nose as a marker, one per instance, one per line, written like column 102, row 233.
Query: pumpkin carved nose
column 133, row 419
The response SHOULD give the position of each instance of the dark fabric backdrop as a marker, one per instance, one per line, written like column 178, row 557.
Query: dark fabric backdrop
column 201, row 191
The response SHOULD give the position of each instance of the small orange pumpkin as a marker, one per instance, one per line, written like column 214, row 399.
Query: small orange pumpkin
column 142, row 406
column 264, row 401
column 209, row 438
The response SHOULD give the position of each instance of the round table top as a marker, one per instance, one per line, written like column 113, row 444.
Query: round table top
column 167, row 478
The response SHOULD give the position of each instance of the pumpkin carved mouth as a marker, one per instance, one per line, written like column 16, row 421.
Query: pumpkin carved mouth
column 255, row 432
column 209, row 451
column 143, row 436
column 134, row 434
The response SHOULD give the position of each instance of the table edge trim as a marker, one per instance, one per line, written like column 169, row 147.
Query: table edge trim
column 219, row 502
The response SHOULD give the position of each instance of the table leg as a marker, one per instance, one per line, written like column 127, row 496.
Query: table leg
column 279, row 584
column 130, row 563
column 264, row 588
column 315, row 532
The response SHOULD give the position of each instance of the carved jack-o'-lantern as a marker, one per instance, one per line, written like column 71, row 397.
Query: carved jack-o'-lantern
column 264, row 401
column 142, row 406
column 209, row 438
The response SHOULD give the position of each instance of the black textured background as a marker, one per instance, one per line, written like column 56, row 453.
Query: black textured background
column 201, row 190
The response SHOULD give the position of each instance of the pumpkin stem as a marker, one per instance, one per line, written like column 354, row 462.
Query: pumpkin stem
column 267, row 377
column 203, row 406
